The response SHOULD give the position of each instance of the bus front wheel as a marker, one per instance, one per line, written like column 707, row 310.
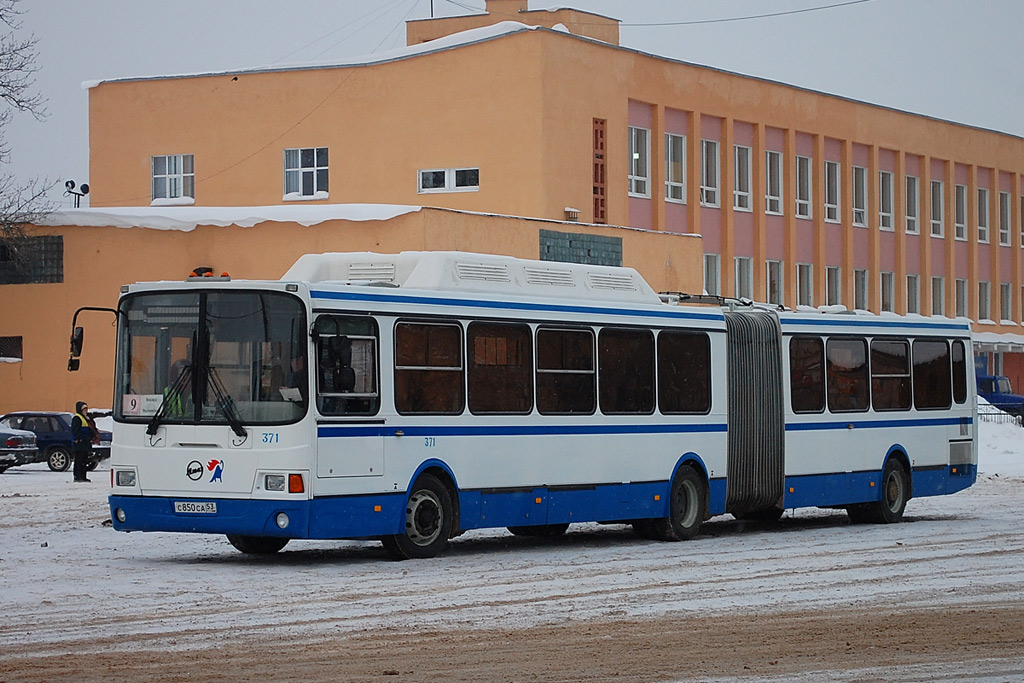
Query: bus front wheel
column 257, row 545
column 687, row 507
column 429, row 515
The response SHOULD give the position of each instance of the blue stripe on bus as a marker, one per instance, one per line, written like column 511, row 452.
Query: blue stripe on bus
column 374, row 515
column 609, row 429
column 877, row 322
column 674, row 313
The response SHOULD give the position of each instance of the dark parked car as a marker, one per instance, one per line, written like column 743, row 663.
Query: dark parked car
column 17, row 447
column 53, row 437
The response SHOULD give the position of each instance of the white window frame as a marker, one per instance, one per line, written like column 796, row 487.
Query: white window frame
column 297, row 170
column 860, row 290
column 983, row 215
column 960, row 293
column 176, row 184
column 804, row 284
column 833, row 286
column 937, row 202
column 860, row 196
column 743, row 277
column 774, row 282
column 451, row 180
column 709, row 186
column 1004, row 219
column 833, row 191
column 773, row 183
column 913, row 293
column 912, row 195
column 639, row 162
column 938, row 295
column 1005, row 302
column 804, row 187
column 887, row 289
column 742, row 179
column 960, row 212
column 713, row 267
column 675, row 157
column 885, row 188
column 984, row 300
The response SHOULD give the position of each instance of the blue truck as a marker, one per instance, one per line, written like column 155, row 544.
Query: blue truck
column 996, row 390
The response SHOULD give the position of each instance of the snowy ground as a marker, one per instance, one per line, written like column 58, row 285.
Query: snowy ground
column 81, row 601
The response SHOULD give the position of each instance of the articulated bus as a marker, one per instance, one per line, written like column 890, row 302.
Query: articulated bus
column 412, row 397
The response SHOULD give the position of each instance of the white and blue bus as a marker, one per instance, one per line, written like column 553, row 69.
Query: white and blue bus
column 412, row 397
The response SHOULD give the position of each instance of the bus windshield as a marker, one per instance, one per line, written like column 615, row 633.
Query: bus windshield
column 212, row 357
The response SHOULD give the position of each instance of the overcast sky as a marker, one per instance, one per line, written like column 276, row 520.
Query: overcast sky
column 961, row 60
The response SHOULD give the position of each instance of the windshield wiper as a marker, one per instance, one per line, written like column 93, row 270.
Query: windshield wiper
column 226, row 404
column 172, row 398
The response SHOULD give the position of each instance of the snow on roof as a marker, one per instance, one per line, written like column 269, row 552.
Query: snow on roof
column 187, row 218
column 462, row 38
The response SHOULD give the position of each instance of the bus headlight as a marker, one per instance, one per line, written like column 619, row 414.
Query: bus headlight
column 119, row 513
column 282, row 520
column 125, row 478
column 273, row 482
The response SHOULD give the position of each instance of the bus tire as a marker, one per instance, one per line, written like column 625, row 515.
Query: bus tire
column 257, row 545
column 687, row 507
column 429, row 515
column 894, row 496
column 539, row 530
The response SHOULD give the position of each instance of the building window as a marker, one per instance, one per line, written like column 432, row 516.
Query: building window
column 961, row 297
column 983, row 300
column 833, row 286
column 937, row 202
column 1004, row 219
column 913, row 204
column 983, row 215
column 599, row 171
column 10, row 350
column 774, row 284
column 675, row 168
column 712, row 275
column 938, row 296
column 860, row 196
column 888, row 284
column 174, row 179
column 885, row 200
column 803, row 187
column 32, row 260
column 804, row 284
column 960, row 212
column 449, row 180
column 639, row 162
column 832, row 191
column 741, row 189
column 1005, row 302
column 305, row 173
column 744, row 267
column 913, row 294
column 860, row 289
column 709, row 177
column 773, row 183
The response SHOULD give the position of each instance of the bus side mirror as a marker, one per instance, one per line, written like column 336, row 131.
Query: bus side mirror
column 77, row 337
column 73, row 364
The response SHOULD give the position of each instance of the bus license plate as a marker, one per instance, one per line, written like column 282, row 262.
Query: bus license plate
column 193, row 507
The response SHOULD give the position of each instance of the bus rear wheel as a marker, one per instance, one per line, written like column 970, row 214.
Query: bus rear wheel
column 894, row 496
column 687, row 507
column 429, row 515
column 257, row 545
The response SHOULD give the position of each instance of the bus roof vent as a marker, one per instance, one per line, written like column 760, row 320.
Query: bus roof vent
column 491, row 272
column 549, row 276
column 621, row 283
column 377, row 272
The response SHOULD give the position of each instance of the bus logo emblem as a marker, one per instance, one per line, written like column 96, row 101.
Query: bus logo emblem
column 194, row 470
column 217, row 467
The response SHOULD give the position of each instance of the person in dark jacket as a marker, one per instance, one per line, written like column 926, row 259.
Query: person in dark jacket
column 83, row 430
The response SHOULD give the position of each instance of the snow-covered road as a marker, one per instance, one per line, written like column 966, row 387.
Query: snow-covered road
column 69, row 584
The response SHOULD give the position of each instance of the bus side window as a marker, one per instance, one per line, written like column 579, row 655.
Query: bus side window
column 847, row 375
column 807, row 374
column 890, row 374
column 932, row 379
column 428, row 368
column 684, row 372
column 346, row 365
column 959, row 372
column 625, row 371
column 566, row 378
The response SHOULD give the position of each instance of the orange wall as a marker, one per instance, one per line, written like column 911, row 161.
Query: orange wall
column 97, row 261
